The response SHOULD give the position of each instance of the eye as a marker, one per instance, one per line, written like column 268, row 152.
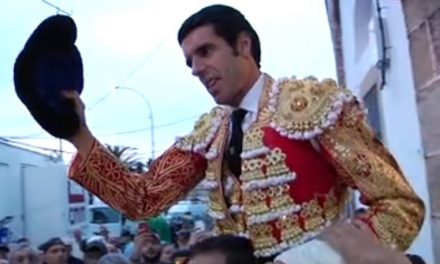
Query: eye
column 204, row 51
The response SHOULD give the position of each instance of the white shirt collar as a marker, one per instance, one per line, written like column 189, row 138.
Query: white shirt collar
column 251, row 101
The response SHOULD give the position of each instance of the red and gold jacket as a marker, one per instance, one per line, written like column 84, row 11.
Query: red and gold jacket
column 309, row 146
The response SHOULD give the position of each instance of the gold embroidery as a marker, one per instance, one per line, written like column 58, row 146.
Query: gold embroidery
column 138, row 196
column 290, row 228
column 253, row 140
column 268, row 198
column 215, row 202
column 276, row 163
column 299, row 104
column 304, row 108
column 312, row 215
column 262, row 235
column 331, row 205
column 255, row 202
column 236, row 192
column 252, row 169
column 396, row 212
column 204, row 131
column 241, row 222
column 210, row 172
column 227, row 226
column 280, row 197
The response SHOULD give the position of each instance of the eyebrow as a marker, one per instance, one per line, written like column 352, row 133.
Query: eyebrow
column 198, row 50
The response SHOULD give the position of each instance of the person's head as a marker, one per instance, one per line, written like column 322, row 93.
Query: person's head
column 23, row 254
column 94, row 248
column 223, row 51
column 167, row 253
column 183, row 236
column 54, row 251
column 4, row 250
column 150, row 246
column 23, row 241
column 224, row 249
column 113, row 258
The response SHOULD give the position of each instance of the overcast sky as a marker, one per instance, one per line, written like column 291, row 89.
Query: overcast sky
column 133, row 44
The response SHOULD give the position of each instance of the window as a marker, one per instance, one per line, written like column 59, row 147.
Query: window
column 371, row 100
column 104, row 215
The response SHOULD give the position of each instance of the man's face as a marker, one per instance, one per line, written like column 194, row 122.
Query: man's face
column 25, row 256
column 167, row 253
column 151, row 248
column 56, row 255
column 209, row 258
column 221, row 68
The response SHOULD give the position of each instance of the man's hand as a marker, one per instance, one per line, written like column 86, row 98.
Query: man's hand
column 83, row 139
column 358, row 245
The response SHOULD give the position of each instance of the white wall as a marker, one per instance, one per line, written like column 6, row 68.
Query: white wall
column 400, row 124
column 13, row 161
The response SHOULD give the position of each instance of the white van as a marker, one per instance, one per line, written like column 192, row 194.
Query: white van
column 98, row 215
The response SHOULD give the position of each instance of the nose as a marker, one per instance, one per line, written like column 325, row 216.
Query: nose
column 198, row 66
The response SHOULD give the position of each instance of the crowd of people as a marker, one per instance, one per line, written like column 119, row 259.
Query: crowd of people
column 156, row 241
column 148, row 246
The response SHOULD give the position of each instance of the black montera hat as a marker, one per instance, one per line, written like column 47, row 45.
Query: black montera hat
column 49, row 64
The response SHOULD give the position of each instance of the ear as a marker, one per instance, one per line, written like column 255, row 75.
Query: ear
column 244, row 44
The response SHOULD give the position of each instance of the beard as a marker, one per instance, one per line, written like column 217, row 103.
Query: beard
column 148, row 259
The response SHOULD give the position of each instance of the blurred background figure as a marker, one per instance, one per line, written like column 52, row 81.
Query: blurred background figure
column 94, row 249
column 71, row 259
column 23, row 254
column 54, row 251
column 167, row 253
column 113, row 258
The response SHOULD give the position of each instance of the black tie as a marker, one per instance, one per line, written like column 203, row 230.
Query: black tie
column 236, row 143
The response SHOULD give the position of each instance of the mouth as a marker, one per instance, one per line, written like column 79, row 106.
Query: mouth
column 210, row 82
column 210, row 85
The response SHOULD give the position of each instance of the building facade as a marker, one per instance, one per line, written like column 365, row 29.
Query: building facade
column 388, row 53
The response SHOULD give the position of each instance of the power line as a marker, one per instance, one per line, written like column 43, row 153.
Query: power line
column 147, row 58
column 130, row 75
column 35, row 135
column 149, row 128
column 39, row 135
column 33, row 146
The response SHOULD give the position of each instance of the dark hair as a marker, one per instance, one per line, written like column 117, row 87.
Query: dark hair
column 55, row 241
column 236, row 249
column 227, row 22
column 22, row 240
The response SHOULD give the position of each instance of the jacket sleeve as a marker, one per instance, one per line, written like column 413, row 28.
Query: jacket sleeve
column 395, row 212
column 139, row 196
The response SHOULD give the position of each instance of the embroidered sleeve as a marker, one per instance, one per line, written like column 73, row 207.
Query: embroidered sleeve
column 170, row 178
column 395, row 212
